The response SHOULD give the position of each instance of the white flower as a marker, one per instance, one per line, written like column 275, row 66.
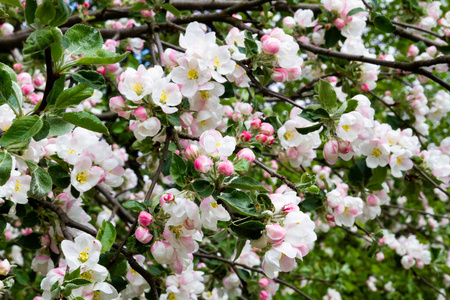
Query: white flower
column 345, row 213
column 212, row 212
column 84, row 176
column 400, row 161
column 136, row 84
column 16, row 188
column 377, row 152
column 288, row 134
column 166, row 95
column 350, row 126
column 83, row 252
column 213, row 142
column 149, row 127
column 190, row 73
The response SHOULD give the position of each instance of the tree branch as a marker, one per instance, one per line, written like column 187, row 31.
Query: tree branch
column 272, row 173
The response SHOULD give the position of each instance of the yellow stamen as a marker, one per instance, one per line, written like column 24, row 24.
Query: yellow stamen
column 288, row 135
column 218, row 144
column 400, row 160
column 214, row 205
column 83, row 257
column 346, row 127
column 81, row 177
column 137, row 88
column 346, row 211
column 376, row 152
column 97, row 295
column 133, row 271
column 89, row 275
column 71, row 151
column 172, row 297
column 192, row 74
column 202, row 123
column 18, row 188
column 164, row 97
column 204, row 95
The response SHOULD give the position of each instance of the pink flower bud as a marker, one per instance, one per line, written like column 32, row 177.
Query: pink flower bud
column 186, row 119
column 101, row 70
column 166, row 198
column 86, row 4
column 280, row 75
column 245, row 109
column 5, row 266
column 339, row 23
column 379, row 256
column 140, row 114
column 294, row 73
column 270, row 140
column 275, row 233
column 247, row 154
column 264, row 295
column 261, row 138
column 27, row 88
column 113, row 68
column 246, row 136
column 412, row 51
column 117, row 104
column 34, row 98
column 143, row 235
column 146, row 13
column 192, row 152
column 431, row 50
column 38, row 81
column 345, row 147
column 203, row 164
column 264, row 282
column 45, row 240
column 145, row 218
column 331, row 151
column 271, row 45
column 267, row 129
column 256, row 123
column 170, row 57
column 26, row 231
column 289, row 22
column 17, row 67
column 225, row 168
column 372, row 200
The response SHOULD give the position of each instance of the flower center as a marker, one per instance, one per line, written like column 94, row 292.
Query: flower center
column 192, row 74
column 172, row 297
column 217, row 62
column 288, row 135
column 376, row 152
column 164, row 97
column 202, row 123
column 218, row 144
column 346, row 127
column 214, row 205
column 97, row 296
column 71, row 151
column 84, row 256
column 346, row 211
column 204, row 95
column 133, row 271
column 81, row 177
column 137, row 88
column 88, row 275
column 400, row 160
column 18, row 188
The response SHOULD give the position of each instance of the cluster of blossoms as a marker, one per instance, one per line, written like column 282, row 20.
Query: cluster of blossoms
column 412, row 251
column 359, row 134
column 299, row 148
column 82, row 254
column 187, row 285
column 433, row 13
column 437, row 159
column 332, row 294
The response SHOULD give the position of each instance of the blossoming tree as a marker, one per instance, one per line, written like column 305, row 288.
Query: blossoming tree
column 224, row 149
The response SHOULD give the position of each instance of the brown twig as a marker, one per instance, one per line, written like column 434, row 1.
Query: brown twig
column 272, row 173
column 424, row 175
column 415, row 211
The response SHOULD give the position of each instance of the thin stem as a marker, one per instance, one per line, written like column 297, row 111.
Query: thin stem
column 424, row 175
column 272, row 173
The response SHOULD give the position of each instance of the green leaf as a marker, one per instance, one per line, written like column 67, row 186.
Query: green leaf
column 306, row 130
column 22, row 277
column 16, row 3
column 100, row 57
column 174, row 119
column 59, row 176
column 80, row 39
column 63, row 12
column 45, row 13
column 311, row 202
column 58, row 126
column 359, row 173
column 6, row 88
column 72, row 275
column 134, row 205
column 3, row 14
column 5, row 167
column 85, row 120
column 91, row 78
column 106, row 235
column 172, row 9
column 30, row 11
column 178, row 170
column 314, row 114
column 21, row 129
column 247, row 183
column 42, row 39
column 332, row 36
column 57, row 89
column 377, row 178
column 242, row 165
column 355, row 11
column 160, row 17
column 31, row 219
column 74, row 96
column 43, row 133
column 265, row 201
column 240, row 244
column 2, row 223
column 248, row 230
column 240, row 202
column 384, row 24
column 41, row 182
column 31, row 241
column 203, row 188
column 327, row 95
